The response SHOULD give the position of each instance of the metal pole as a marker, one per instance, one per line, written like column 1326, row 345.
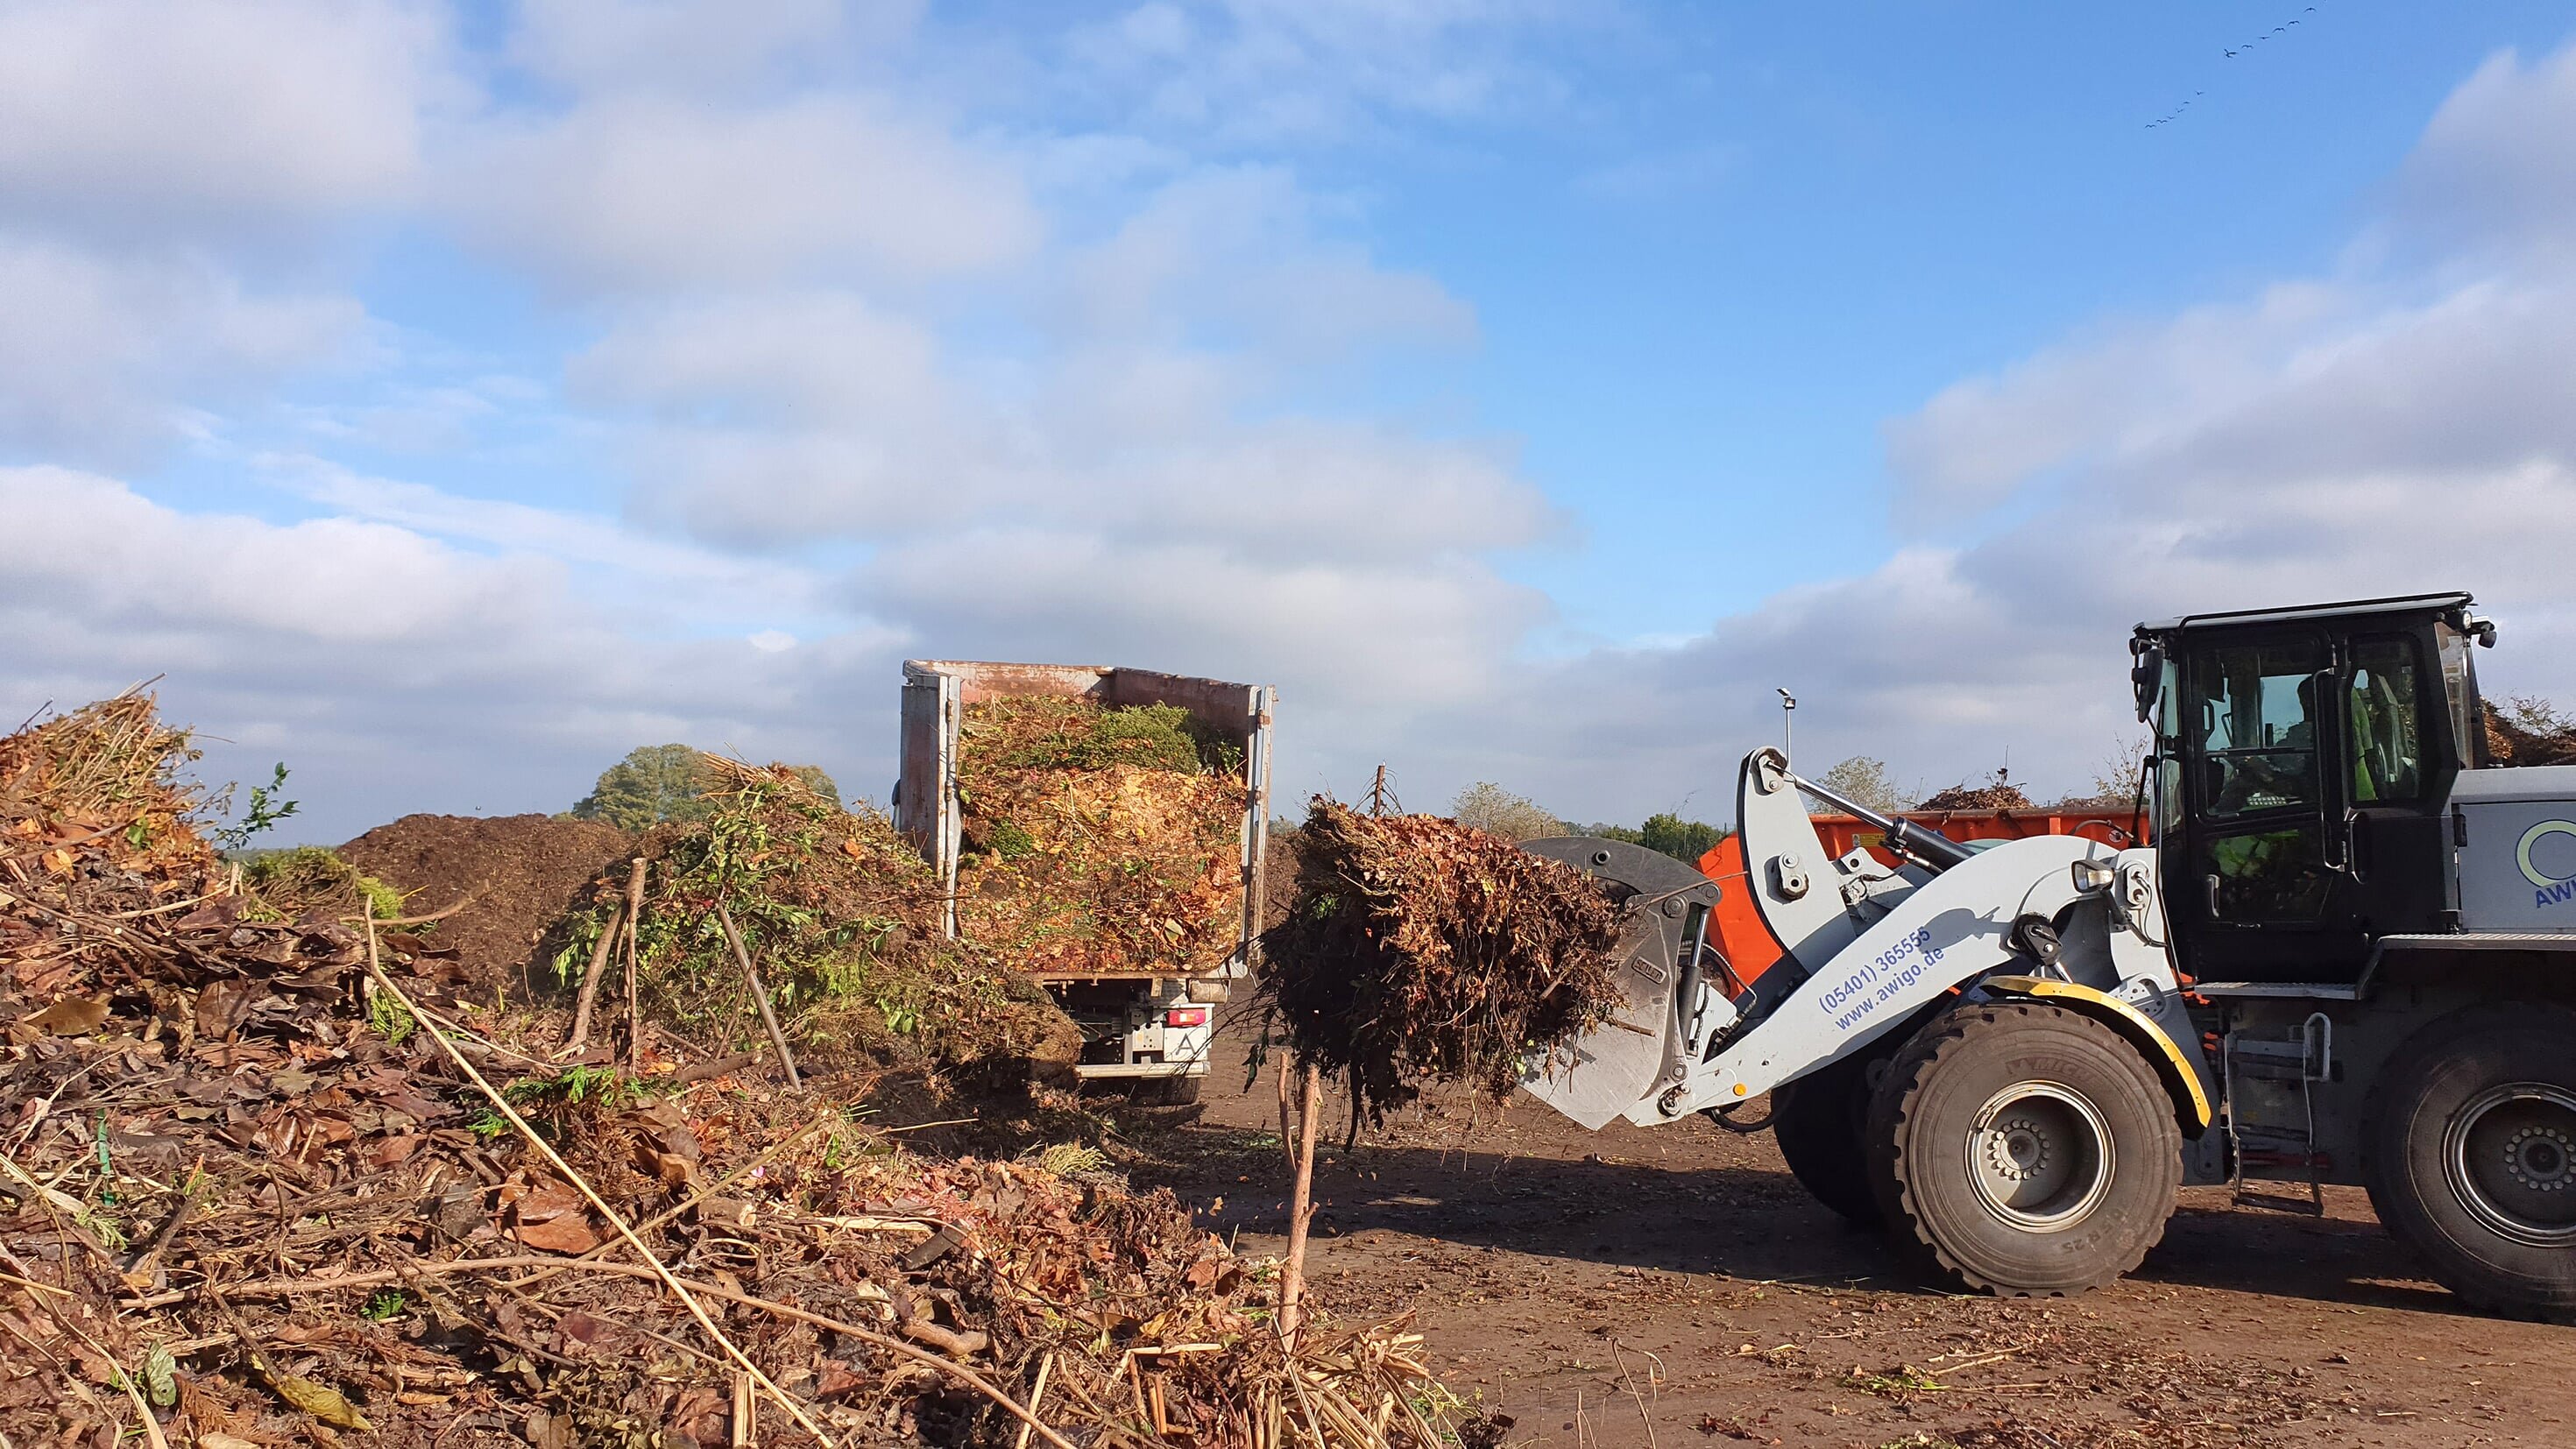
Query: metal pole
column 1788, row 723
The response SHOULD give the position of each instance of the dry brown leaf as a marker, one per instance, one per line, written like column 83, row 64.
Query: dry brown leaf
column 71, row 1016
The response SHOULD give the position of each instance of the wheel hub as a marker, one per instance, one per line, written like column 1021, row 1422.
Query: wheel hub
column 2510, row 1158
column 2039, row 1155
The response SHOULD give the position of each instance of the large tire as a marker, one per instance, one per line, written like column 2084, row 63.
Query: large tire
column 1817, row 1120
column 2022, row 1149
column 2470, row 1155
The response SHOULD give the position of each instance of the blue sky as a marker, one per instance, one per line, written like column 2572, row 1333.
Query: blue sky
column 445, row 399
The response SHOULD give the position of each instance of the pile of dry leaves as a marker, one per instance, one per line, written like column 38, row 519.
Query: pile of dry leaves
column 1098, row 841
column 262, row 1184
column 1416, row 948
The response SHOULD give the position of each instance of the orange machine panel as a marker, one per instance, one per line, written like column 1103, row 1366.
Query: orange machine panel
column 1735, row 927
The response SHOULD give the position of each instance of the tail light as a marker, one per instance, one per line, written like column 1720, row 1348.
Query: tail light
column 1186, row 1016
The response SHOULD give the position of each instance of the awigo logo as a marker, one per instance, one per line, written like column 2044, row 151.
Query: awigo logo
column 2549, row 889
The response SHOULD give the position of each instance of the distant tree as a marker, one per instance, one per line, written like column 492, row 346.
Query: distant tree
column 1497, row 811
column 652, row 784
column 1683, row 840
column 655, row 783
column 816, row 781
column 2115, row 779
column 1863, row 780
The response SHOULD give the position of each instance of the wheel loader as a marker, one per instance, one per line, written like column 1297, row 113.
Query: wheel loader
column 2348, row 956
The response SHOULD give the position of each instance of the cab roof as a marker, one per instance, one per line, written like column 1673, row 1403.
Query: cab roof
column 2240, row 618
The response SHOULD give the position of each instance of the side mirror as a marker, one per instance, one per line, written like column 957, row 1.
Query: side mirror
column 2146, row 676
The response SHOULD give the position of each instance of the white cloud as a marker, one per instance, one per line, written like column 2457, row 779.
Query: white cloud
column 390, row 669
column 634, row 191
column 105, row 356
column 2494, row 167
column 688, row 45
column 141, row 117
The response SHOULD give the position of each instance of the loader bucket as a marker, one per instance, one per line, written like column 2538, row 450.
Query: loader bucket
column 1626, row 1063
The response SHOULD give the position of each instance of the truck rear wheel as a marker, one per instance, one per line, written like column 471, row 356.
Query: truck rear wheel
column 1817, row 1121
column 2024, row 1149
column 2471, row 1155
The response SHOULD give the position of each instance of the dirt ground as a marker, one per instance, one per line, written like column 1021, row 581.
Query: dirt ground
column 1675, row 1286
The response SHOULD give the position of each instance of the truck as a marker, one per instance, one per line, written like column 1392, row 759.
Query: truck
column 1147, row 1029
column 2339, row 950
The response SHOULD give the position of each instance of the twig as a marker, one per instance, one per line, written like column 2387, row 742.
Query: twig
column 582, row 1004
column 1638, row 1398
column 501, row 1104
column 291, row 1287
column 759, row 994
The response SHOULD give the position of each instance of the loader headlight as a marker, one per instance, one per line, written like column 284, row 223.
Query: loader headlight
column 2091, row 875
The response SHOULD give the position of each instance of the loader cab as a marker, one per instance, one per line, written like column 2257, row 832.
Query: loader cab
column 2302, row 761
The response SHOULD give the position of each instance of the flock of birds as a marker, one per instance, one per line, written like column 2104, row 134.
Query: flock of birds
column 2169, row 117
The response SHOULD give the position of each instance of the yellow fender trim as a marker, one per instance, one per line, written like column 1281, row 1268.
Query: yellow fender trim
column 2181, row 1078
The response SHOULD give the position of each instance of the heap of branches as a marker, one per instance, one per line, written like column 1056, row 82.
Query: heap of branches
column 108, row 889
column 844, row 918
column 262, row 1182
column 1415, row 948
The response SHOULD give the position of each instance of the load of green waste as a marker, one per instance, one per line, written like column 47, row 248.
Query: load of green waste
column 1099, row 840
column 1418, row 949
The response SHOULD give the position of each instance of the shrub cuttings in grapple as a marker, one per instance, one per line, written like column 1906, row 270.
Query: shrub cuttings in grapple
column 1415, row 948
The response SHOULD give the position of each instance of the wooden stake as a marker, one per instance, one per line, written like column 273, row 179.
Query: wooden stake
column 1292, row 1275
column 634, row 1013
column 1037, row 1396
column 1287, row 1108
column 760, row 994
column 580, row 1037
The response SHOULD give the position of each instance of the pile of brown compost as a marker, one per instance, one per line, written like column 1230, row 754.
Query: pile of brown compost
column 843, row 920
column 1418, row 949
column 267, row 1183
column 498, row 883
column 1099, row 841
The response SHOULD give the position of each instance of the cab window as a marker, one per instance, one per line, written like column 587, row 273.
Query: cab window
column 2255, row 729
column 2385, row 712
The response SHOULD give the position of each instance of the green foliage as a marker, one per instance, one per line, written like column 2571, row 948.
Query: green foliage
column 487, row 1124
column 1071, row 734
column 1496, row 811
column 297, row 880
column 655, row 783
column 383, row 1305
column 1864, row 780
column 578, row 1089
column 652, row 784
column 268, row 806
column 1683, row 840
column 390, row 1018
